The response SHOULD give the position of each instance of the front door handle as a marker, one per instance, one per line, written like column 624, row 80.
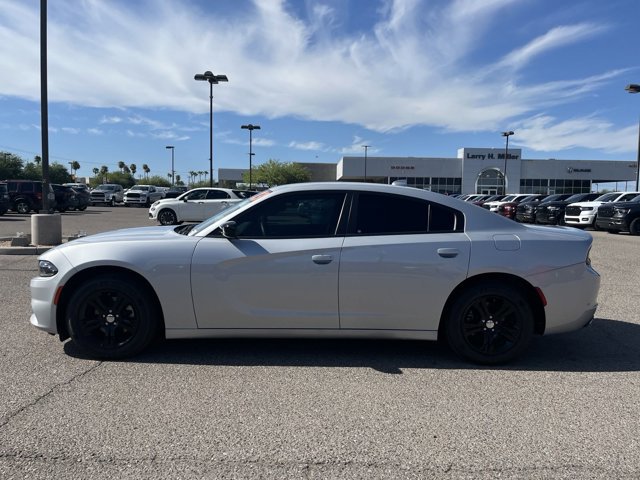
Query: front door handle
column 322, row 259
column 448, row 252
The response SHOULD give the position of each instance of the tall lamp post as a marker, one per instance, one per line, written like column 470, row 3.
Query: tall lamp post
column 506, row 154
column 251, row 128
column 211, row 78
column 366, row 147
column 173, row 172
column 635, row 88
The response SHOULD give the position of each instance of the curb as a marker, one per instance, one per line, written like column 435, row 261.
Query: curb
column 31, row 250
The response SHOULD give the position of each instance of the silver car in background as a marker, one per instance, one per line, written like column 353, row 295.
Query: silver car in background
column 323, row 260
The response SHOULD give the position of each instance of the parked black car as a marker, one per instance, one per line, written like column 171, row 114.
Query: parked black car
column 26, row 195
column 552, row 212
column 620, row 217
column 65, row 198
column 4, row 199
column 526, row 211
column 82, row 194
column 174, row 192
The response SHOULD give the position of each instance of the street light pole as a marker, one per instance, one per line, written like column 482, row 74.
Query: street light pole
column 366, row 147
column 251, row 128
column 211, row 78
column 635, row 88
column 173, row 172
column 506, row 154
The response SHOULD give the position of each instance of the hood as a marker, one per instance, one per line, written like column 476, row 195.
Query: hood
column 130, row 234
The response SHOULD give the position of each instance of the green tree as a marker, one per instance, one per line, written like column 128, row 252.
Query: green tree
column 121, row 165
column 133, row 168
column 158, row 181
column 96, row 171
column 75, row 166
column 58, row 173
column 10, row 166
column 104, row 170
column 274, row 173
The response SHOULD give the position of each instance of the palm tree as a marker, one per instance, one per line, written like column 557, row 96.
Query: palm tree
column 146, row 170
column 75, row 166
column 37, row 159
column 133, row 167
column 121, row 166
column 103, row 171
column 96, row 171
column 125, row 169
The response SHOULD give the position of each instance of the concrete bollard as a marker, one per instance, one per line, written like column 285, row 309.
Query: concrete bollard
column 46, row 229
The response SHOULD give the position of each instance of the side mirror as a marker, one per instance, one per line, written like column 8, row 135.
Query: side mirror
column 228, row 229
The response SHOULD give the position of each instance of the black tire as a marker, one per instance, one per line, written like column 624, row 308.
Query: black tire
column 112, row 203
column 166, row 216
column 490, row 324
column 594, row 225
column 111, row 317
column 82, row 208
column 561, row 221
column 22, row 206
column 634, row 226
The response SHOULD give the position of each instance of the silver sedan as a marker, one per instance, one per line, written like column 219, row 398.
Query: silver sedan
column 323, row 260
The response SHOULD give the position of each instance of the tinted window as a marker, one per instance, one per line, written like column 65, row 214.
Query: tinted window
column 296, row 215
column 217, row 194
column 392, row 214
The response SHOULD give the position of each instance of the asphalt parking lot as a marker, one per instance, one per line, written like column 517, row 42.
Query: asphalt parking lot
column 320, row 409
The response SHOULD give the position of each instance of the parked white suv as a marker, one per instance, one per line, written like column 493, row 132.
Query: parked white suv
column 583, row 214
column 195, row 205
column 142, row 195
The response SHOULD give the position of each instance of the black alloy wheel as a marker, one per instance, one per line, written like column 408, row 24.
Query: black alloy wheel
column 634, row 227
column 490, row 324
column 167, row 217
column 111, row 317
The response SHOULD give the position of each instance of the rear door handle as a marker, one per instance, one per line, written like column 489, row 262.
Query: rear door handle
column 448, row 252
column 322, row 259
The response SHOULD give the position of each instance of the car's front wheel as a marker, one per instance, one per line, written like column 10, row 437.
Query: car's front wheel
column 490, row 323
column 167, row 217
column 112, row 316
column 634, row 227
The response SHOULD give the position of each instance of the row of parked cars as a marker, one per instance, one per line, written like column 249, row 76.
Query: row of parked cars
column 24, row 196
column 139, row 195
column 614, row 212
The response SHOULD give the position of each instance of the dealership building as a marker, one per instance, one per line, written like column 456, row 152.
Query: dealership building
column 474, row 170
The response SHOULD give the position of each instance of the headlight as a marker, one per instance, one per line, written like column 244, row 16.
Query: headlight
column 621, row 212
column 553, row 209
column 47, row 269
column 155, row 204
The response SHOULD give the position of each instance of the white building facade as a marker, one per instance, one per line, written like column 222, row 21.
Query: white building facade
column 482, row 170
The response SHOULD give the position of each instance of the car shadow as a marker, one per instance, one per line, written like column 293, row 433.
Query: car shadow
column 605, row 346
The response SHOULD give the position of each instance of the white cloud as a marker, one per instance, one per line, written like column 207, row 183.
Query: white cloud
column 311, row 145
column 94, row 131
column 70, row 130
column 413, row 69
column 547, row 134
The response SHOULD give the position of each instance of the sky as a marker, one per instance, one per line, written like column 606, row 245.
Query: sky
column 419, row 78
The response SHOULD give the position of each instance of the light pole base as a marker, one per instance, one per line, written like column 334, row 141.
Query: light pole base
column 46, row 229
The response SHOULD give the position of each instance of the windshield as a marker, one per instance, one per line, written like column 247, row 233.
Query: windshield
column 575, row 198
column 218, row 216
column 143, row 188
column 105, row 187
column 607, row 197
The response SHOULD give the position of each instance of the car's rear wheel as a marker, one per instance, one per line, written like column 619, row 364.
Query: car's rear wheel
column 634, row 227
column 111, row 316
column 167, row 217
column 22, row 206
column 490, row 323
